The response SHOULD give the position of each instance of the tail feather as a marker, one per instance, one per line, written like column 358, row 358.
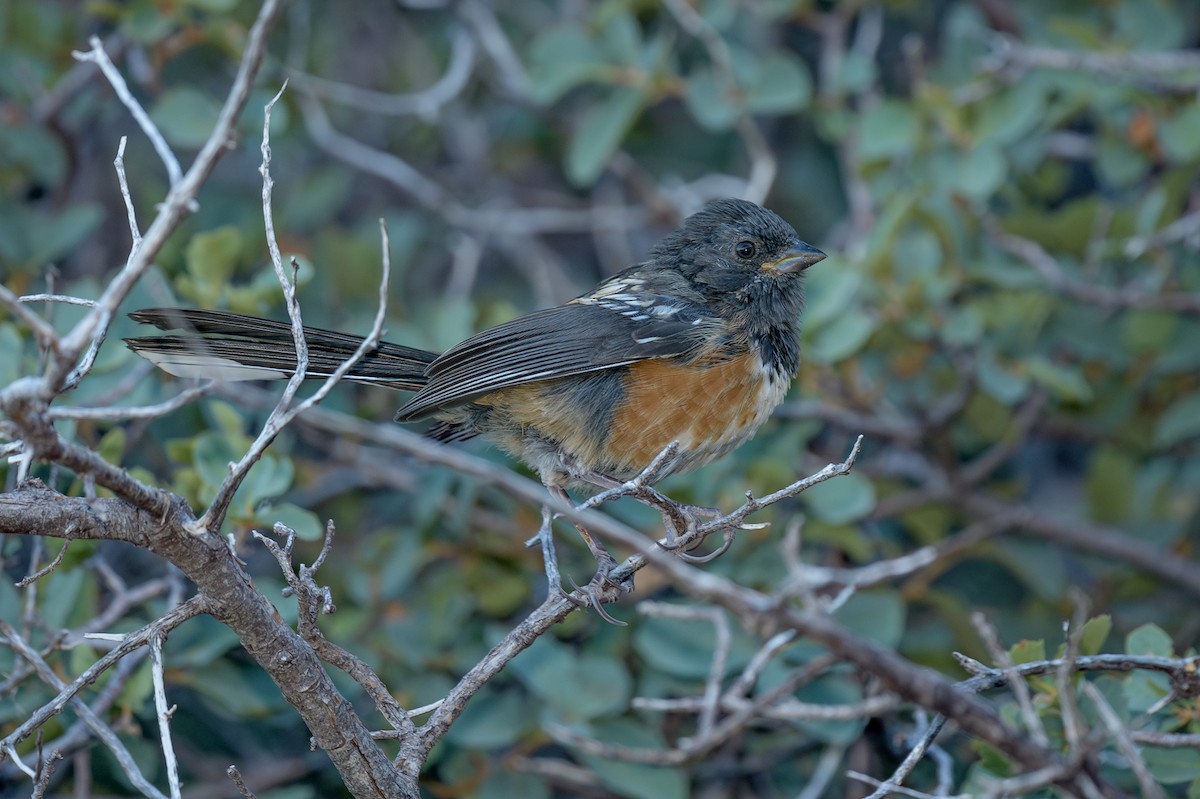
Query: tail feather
column 229, row 346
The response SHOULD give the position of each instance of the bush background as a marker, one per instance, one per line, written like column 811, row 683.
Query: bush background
column 1008, row 193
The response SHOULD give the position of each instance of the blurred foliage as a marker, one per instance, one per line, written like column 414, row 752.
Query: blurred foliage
column 913, row 141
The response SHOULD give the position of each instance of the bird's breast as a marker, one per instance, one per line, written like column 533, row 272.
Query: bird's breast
column 710, row 410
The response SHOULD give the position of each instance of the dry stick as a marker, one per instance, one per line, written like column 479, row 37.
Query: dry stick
column 1056, row 277
column 426, row 104
column 63, row 299
column 46, row 769
column 710, row 701
column 763, row 164
column 1149, row 786
column 284, row 411
column 138, row 412
column 131, row 642
column 45, row 334
column 30, row 579
column 236, row 776
column 97, row 725
column 1166, row 740
column 164, row 714
column 312, row 600
column 25, row 400
column 98, row 56
column 991, row 638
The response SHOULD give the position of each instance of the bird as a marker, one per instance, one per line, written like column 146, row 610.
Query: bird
column 690, row 349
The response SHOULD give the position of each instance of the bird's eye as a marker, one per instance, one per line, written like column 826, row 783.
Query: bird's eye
column 744, row 250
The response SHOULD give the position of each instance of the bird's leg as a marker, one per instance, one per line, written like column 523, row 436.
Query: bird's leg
column 604, row 560
column 545, row 537
column 605, row 563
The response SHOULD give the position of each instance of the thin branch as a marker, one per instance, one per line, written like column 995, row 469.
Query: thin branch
column 1052, row 272
column 426, row 104
column 164, row 714
column 763, row 165
column 46, row 335
column 100, row 58
column 138, row 412
column 1125, row 745
column 30, row 579
column 59, row 298
column 991, row 638
column 130, row 643
column 99, row 728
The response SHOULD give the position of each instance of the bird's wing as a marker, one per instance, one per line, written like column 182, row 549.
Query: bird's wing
column 619, row 323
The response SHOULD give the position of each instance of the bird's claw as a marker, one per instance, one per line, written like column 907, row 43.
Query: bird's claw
column 589, row 595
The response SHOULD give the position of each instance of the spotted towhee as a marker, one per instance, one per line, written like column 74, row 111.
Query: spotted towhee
column 696, row 345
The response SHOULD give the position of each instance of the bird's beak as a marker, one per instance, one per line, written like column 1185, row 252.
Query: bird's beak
column 799, row 256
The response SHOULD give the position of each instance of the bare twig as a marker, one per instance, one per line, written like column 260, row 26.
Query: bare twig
column 97, row 725
column 131, row 642
column 284, row 411
column 426, row 104
column 1052, row 272
column 46, row 335
column 30, row 579
column 991, row 638
column 140, row 412
column 100, row 58
column 716, row 671
column 235, row 775
column 164, row 714
column 763, row 165
column 1146, row 782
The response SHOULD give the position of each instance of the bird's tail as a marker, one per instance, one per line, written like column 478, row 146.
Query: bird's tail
column 229, row 346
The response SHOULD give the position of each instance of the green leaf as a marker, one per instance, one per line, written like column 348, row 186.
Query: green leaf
column 681, row 649
column 605, row 125
column 829, row 291
column 65, row 594
column 1027, row 651
column 112, row 445
column 596, row 686
column 1171, row 766
column 560, row 59
column 1010, row 115
column 492, row 720
column 1003, row 383
column 1094, row 634
column 186, row 117
column 1149, row 639
column 1149, row 332
column 1180, row 135
column 832, row 691
column 877, row 615
column 841, row 500
column 307, row 524
column 841, row 338
column 503, row 784
column 777, row 84
column 963, row 327
column 1179, row 422
column 211, row 258
column 981, row 172
column 888, row 129
column 55, row 235
column 634, row 780
column 1065, row 381
column 10, row 342
column 1110, row 482
column 708, row 100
